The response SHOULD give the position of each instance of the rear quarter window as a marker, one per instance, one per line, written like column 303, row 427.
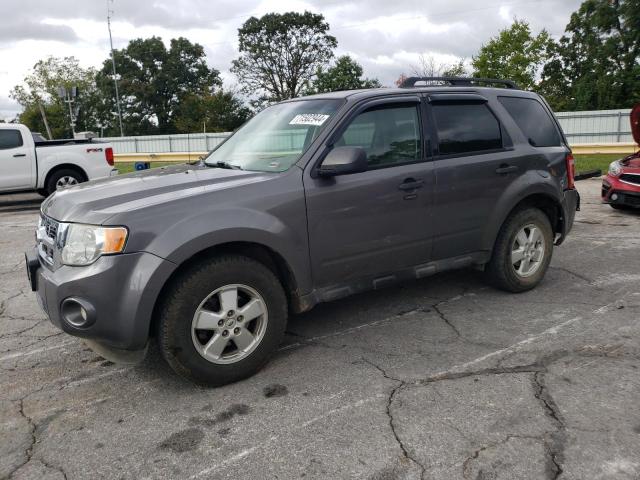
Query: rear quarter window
column 10, row 139
column 534, row 121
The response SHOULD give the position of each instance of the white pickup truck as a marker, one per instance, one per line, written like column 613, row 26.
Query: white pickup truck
column 28, row 163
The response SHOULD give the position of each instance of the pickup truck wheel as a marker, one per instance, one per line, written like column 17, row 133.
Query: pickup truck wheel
column 221, row 320
column 63, row 178
column 522, row 251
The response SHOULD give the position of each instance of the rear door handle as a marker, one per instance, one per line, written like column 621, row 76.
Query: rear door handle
column 502, row 169
column 16, row 155
column 411, row 184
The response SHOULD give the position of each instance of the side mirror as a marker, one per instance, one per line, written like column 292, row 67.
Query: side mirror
column 343, row 161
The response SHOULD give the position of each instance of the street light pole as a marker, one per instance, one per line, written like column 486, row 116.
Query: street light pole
column 113, row 62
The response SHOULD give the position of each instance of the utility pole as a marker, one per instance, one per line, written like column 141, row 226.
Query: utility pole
column 113, row 62
column 44, row 119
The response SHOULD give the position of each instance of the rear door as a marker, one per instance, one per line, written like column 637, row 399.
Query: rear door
column 372, row 223
column 474, row 163
column 16, row 160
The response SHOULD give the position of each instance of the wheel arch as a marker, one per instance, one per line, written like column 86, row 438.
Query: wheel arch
column 543, row 201
column 256, row 251
column 64, row 166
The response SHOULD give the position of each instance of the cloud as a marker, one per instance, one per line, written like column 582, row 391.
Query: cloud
column 385, row 37
column 13, row 31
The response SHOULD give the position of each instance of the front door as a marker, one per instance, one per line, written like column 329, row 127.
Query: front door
column 378, row 221
column 16, row 161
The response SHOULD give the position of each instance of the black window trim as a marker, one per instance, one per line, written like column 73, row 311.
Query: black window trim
column 435, row 149
column 360, row 107
column 19, row 135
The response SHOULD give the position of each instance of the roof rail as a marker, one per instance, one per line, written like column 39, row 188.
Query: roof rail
column 459, row 81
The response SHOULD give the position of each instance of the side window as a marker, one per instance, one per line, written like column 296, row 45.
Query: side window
column 533, row 120
column 466, row 128
column 10, row 139
column 390, row 135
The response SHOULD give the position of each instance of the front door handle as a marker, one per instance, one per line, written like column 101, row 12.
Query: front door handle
column 16, row 155
column 504, row 168
column 411, row 184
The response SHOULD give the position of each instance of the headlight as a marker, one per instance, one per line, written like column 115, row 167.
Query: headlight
column 615, row 169
column 84, row 244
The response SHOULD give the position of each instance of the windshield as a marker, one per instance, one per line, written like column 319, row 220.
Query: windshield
column 276, row 138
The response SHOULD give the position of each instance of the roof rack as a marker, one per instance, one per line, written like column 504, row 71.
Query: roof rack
column 459, row 82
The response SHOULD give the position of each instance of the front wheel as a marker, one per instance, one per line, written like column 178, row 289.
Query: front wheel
column 522, row 252
column 221, row 320
column 617, row 206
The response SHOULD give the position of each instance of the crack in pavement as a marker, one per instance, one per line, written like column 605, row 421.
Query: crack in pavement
column 588, row 280
column 400, row 384
column 476, row 453
column 555, row 446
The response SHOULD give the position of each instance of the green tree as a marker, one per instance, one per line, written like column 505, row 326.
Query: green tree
column 345, row 74
column 40, row 89
column 280, row 54
column 596, row 64
column 514, row 54
column 153, row 81
column 220, row 111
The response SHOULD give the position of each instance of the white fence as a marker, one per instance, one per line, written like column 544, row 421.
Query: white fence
column 596, row 126
column 600, row 126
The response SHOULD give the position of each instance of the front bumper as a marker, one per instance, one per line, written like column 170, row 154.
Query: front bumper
column 619, row 193
column 121, row 290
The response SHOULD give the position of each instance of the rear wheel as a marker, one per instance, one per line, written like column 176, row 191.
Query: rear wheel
column 63, row 178
column 221, row 320
column 522, row 252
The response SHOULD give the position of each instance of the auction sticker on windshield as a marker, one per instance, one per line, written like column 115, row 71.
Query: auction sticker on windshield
column 316, row 119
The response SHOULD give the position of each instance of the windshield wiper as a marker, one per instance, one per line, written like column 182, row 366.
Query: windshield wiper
column 230, row 166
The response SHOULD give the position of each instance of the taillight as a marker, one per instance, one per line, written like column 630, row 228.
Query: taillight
column 108, row 154
column 571, row 171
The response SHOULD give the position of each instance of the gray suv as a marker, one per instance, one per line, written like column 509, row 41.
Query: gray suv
column 312, row 200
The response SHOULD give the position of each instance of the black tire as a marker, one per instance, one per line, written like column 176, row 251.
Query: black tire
column 42, row 192
column 58, row 174
column 617, row 206
column 500, row 271
column 175, row 316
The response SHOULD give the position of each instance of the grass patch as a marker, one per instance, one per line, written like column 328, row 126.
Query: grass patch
column 597, row 161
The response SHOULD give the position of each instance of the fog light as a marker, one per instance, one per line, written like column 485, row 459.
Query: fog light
column 614, row 196
column 77, row 312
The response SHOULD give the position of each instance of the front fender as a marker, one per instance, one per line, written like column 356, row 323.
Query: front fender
column 531, row 183
column 192, row 234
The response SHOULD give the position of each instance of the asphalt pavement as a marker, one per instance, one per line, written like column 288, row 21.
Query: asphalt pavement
column 444, row 378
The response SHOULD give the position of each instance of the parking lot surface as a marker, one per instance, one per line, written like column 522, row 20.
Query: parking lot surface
column 445, row 378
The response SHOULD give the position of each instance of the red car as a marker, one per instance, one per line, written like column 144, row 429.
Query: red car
column 621, row 186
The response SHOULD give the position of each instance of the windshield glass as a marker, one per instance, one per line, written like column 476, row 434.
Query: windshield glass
column 276, row 138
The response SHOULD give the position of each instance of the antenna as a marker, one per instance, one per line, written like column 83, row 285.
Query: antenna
column 113, row 62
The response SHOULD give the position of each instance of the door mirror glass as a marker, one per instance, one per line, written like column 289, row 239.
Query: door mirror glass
column 343, row 161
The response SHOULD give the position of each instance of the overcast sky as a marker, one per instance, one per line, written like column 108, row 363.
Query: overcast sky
column 385, row 36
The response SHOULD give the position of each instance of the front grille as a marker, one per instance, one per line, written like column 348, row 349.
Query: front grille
column 46, row 238
column 633, row 178
column 50, row 226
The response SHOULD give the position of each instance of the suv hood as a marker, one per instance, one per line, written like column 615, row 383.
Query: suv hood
column 635, row 123
column 94, row 202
